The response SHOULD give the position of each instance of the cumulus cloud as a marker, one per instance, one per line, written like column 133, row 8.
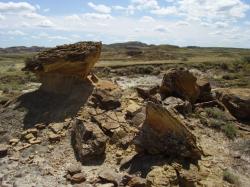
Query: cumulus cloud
column 171, row 10
column 45, row 24
column 16, row 7
column 100, row 8
column 16, row 33
column 161, row 28
column 145, row 4
column 97, row 16
column 2, row 17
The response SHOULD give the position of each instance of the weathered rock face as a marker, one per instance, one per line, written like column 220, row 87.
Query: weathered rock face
column 184, row 107
column 165, row 133
column 106, row 95
column 88, row 140
column 180, row 83
column 205, row 90
column 237, row 101
column 62, row 68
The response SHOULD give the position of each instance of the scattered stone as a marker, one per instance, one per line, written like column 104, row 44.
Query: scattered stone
column 33, row 131
column 29, row 136
column 14, row 141
column 165, row 133
column 78, row 178
column 105, row 185
column 184, row 107
column 53, row 137
column 107, row 99
column 40, row 126
column 132, row 108
column 89, row 141
column 180, row 83
column 34, row 141
column 108, row 175
column 74, row 169
column 137, row 182
column 56, row 127
column 162, row 177
column 237, row 101
column 3, row 150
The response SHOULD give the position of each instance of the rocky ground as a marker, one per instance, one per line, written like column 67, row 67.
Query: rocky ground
column 136, row 126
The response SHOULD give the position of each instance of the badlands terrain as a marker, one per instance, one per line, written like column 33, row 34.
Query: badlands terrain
column 125, row 114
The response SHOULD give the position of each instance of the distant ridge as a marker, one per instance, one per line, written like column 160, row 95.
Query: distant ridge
column 22, row 49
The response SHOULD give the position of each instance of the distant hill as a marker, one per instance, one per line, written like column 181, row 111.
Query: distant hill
column 21, row 49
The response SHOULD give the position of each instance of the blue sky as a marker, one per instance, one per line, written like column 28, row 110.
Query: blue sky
column 220, row 23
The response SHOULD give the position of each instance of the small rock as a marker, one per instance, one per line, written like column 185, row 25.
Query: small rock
column 14, row 141
column 3, row 150
column 54, row 137
column 137, row 182
column 74, row 169
column 56, row 127
column 78, row 178
column 29, row 136
column 40, row 126
column 108, row 175
column 105, row 185
column 34, row 141
column 33, row 131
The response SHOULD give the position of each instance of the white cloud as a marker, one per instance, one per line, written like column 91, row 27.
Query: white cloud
column 45, row 24
column 97, row 16
column 2, row 17
column 145, row 4
column 100, row 8
column 161, row 28
column 147, row 19
column 182, row 23
column 16, row 33
column 73, row 17
column 16, row 7
column 165, row 11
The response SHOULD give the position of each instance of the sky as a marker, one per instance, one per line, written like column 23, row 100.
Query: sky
column 206, row 23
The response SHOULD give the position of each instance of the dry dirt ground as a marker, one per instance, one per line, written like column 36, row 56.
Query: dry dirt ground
column 36, row 130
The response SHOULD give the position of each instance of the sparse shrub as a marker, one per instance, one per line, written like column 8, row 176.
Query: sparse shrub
column 215, row 123
column 215, row 113
column 11, row 69
column 246, row 59
column 184, row 59
column 230, row 177
column 224, row 66
column 218, row 120
column 230, row 130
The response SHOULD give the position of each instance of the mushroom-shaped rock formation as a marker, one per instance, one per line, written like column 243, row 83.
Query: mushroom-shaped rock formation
column 61, row 68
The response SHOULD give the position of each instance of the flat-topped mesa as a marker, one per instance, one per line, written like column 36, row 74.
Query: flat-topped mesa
column 61, row 67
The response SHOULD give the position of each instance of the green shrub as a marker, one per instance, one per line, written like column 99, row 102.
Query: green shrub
column 246, row 59
column 215, row 113
column 231, row 178
column 230, row 130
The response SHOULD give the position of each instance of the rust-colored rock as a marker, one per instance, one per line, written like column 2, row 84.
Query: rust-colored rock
column 165, row 133
column 180, row 83
column 237, row 101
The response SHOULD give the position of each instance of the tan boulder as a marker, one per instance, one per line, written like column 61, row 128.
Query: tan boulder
column 237, row 101
column 62, row 69
column 180, row 83
column 164, row 132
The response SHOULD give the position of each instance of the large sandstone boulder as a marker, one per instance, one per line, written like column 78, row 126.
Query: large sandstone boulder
column 89, row 142
column 62, row 68
column 180, row 83
column 237, row 101
column 165, row 133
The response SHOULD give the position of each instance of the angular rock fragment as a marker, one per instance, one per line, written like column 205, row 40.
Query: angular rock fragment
column 180, row 83
column 184, row 107
column 205, row 91
column 109, row 176
column 88, row 140
column 65, row 67
column 107, row 95
column 165, row 133
column 237, row 101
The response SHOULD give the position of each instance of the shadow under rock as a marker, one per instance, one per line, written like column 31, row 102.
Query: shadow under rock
column 142, row 163
column 45, row 107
